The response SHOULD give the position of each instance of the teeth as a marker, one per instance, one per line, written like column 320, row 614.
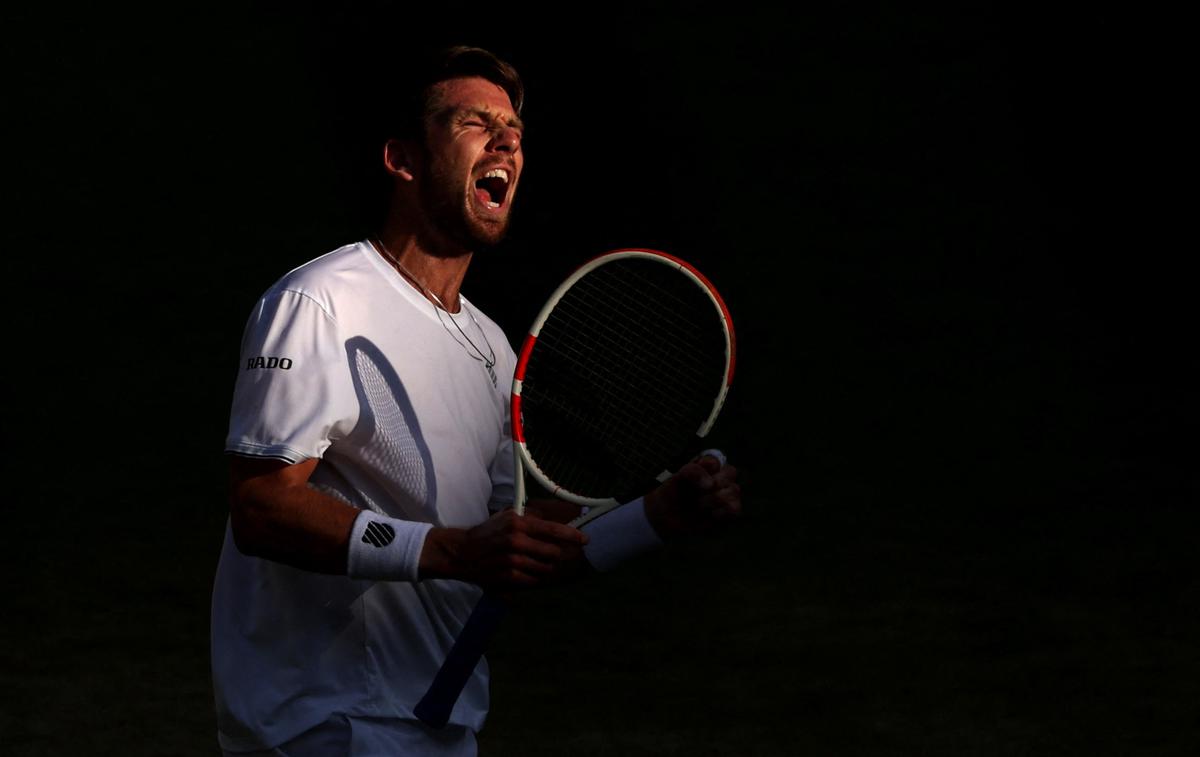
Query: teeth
column 493, row 205
column 497, row 173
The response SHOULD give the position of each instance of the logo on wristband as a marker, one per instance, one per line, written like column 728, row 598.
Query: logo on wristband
column 378, row 534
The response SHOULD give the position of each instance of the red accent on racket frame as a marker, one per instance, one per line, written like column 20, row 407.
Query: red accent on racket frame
column 518, row 427
column 720, row 303
column 523, row 360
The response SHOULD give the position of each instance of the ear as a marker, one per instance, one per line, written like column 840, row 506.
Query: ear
column 398, row 159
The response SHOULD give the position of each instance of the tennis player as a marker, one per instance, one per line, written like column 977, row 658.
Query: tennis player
column 371, row 464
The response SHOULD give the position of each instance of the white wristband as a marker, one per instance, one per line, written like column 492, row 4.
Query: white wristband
column 385, row 549
column 619, row 535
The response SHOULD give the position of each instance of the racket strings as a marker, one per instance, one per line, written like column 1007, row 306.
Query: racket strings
column 622, row 343
column 633, row 357
column 666, row 330
column 632, row 291
column 640, row 439
column 638, row 372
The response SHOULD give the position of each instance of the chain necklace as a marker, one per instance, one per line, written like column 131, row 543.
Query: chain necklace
column 489, row 362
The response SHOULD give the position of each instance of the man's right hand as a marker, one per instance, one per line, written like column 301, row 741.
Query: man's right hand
column 507, row 551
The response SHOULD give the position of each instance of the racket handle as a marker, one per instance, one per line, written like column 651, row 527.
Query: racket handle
column 435, row 707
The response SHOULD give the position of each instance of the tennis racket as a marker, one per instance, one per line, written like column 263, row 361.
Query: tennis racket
column 625, row 368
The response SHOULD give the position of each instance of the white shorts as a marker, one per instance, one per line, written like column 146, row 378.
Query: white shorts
column 374, row 737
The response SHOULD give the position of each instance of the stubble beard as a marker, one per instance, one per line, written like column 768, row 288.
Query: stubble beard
column 451, row 215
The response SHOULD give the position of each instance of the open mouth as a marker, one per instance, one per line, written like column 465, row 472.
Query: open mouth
column 492, row 188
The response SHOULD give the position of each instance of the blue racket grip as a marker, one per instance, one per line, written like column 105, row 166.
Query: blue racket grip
column 435, row 707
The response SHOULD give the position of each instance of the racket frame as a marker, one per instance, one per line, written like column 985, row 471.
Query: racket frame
column 593, row 507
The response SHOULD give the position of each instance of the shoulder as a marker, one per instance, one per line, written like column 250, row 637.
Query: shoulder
column 325, row 281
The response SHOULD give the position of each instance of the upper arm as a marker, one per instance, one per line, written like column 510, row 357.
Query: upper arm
column 293, row 397
column 294, row 394
column 260, row 485
column 246, row 472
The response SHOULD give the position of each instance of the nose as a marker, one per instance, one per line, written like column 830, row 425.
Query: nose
column 506, row 139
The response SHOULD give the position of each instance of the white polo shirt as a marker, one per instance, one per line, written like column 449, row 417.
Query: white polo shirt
column 343, row 360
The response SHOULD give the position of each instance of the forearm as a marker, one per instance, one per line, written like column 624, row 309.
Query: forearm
column 277, row 516
column 296, row 525
column 306, row 529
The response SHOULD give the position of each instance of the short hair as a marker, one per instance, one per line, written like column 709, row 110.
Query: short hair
column 407, row 78
column 412, row 108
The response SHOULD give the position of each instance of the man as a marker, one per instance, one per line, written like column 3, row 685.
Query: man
column 371, row 463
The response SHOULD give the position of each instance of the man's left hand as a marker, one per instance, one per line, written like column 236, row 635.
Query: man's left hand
column 702, row 494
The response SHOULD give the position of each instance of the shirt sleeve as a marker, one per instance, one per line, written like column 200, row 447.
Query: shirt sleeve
column 293, row 393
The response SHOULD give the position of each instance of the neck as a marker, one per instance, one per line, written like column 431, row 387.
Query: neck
column 438, row 277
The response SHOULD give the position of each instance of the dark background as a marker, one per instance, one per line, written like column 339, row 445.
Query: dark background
column 964, row 408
